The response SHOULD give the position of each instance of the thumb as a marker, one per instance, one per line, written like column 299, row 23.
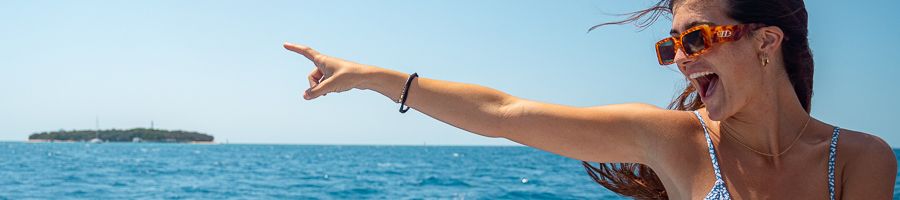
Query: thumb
column 320, row 89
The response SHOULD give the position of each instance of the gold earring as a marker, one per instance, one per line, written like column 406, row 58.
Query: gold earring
column 765, row 61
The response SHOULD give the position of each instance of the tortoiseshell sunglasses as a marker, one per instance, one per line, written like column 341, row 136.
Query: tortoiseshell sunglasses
column 697, row 40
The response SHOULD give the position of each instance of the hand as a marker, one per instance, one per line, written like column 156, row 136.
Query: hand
column 331, row 74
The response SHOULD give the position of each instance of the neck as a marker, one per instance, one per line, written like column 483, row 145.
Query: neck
column 771, row 121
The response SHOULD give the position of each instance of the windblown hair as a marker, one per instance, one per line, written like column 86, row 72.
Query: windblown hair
column 639, row 181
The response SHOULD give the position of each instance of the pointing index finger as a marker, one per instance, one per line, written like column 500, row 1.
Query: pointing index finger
column 303, row 50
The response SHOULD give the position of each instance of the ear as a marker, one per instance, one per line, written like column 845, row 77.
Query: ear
column 769, row 39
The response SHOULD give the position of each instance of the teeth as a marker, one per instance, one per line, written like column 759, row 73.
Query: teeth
column 699, row 74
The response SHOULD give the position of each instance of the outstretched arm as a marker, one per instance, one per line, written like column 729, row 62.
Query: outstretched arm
column 614, row 133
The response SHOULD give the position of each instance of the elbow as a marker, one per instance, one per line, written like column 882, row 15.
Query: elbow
column 507, row 112
column 494, row 135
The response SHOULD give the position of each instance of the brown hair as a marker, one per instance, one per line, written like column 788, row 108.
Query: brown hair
column 638, row 180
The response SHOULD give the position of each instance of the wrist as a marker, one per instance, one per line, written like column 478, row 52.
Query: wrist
column 385, row 81
column 375, row 78
column 368, row 78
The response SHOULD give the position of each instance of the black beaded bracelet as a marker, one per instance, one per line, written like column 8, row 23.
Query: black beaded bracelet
column 405, row 93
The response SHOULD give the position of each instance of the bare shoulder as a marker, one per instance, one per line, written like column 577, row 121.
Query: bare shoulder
column 661, row 126
column 675, row 134
column 859, row 147
column 869, row 166
column 664, row 123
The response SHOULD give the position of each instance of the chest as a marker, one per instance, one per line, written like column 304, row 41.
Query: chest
column 801, row 175
column 754, row 178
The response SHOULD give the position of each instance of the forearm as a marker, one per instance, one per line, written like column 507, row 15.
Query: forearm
column 569, row 131
column 470, row 107
column 604, row 133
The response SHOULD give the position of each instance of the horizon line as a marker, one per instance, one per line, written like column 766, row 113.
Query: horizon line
column 305, row 144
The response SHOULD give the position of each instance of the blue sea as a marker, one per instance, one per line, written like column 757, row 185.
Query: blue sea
column 237, row 171
column 233, row 171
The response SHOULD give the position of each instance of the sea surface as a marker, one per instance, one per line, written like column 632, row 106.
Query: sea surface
column 238, row 171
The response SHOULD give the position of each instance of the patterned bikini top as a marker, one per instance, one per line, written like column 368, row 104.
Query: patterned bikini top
column 719, row 191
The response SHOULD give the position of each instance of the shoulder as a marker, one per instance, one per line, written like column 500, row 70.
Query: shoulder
column 869, row 165
column 859, row 147
column 659, row 126
column 665, row 117
column 664, row 124
column 675, row 136
column 661, row 130
column 648, row 118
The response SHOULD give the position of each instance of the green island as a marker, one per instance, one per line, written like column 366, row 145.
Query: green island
column 115, row 135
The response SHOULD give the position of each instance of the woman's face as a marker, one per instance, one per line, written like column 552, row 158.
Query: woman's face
column 734, row 68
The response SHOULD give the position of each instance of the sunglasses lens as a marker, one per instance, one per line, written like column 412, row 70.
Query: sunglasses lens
column 693, row 42
column 666, row 51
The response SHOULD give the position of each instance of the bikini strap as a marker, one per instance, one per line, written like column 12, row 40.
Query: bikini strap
column 832, row 153
column 709, row 144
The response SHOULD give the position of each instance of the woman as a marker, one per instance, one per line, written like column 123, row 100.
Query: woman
column 741, row 129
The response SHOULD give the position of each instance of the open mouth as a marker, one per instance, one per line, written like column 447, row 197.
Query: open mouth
column 707, row 82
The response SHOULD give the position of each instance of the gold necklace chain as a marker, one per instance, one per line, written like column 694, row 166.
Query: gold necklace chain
column 770, row 154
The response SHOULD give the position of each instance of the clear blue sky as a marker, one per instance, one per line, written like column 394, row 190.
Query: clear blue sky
column 218, row 66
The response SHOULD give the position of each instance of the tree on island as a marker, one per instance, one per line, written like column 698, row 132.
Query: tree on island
column 115, row 135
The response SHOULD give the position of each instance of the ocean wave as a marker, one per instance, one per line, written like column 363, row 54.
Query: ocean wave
column 443, row 181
